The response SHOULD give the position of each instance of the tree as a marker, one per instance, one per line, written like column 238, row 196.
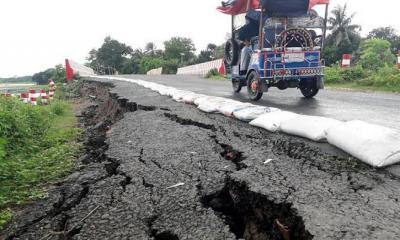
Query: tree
column 179, row 48
column 43, row 77
column 344, row 37
column 376, row 54
column 220, row 51
column 343, row 31
column 59, row 74
column 132, row 65
column 208, row 54
column 386, row 33
column 111, row 54
column 148, row 63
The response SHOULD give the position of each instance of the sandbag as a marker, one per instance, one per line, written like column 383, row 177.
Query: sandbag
column 272, row 121
column 228, row 109
column 207, row 99
column 311, row 127
column 250, row 113
column 167, row 91
column 211, row 104
column 190, row 98
column 375, row 145
column 179, row 94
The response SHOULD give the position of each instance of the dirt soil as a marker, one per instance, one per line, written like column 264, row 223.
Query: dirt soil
column 157, row 169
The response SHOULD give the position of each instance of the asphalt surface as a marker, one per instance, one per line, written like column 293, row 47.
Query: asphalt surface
column 141, row 145
column 377, row 108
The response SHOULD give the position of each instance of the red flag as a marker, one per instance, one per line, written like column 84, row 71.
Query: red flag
column 69, row 71
column 240, row 6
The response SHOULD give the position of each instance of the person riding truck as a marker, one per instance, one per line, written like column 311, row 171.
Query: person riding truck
column 246, row 33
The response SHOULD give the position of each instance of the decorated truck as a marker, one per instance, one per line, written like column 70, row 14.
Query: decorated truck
column 276, row 43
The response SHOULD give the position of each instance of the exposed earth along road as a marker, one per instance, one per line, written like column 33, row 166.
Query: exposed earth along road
column 157, row 169
column 378, row 108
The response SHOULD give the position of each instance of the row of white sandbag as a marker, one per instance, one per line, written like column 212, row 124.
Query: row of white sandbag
column 372, row 144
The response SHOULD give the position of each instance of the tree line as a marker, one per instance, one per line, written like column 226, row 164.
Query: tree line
column 375, row 50
column 116, row 57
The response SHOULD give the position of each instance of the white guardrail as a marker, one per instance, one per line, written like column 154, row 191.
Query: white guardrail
column 157, row 71
column 200, row 69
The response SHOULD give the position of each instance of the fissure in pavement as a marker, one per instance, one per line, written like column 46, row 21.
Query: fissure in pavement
column 156, row 169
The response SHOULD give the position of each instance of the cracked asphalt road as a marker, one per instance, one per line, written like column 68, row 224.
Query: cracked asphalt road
column 378, row 108
column 308, row 190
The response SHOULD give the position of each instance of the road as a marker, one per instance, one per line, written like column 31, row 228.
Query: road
column 157, row 169
column 377, row 108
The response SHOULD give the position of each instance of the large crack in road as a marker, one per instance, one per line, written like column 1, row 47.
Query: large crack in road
column 157, row 169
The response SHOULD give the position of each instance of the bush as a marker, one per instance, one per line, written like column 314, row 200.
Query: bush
column 21, row 124
column 332, row 74
column 386, row 77
column 58, row 108
column 376, row 54
column 5, row 216
column 36, row 145
column 353, row 73
column 335, row 74
column 213, row 73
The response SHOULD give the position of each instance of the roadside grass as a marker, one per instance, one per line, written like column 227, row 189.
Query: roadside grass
column 357, row 87
column 213, row 74
column 386, row 79
column 218, row 77
column 38, row 145
column 21, row 88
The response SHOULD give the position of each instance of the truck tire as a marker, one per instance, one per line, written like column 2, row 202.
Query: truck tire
column 236, row 85
column 231, row 52
column 255, row 87
column 309, row 89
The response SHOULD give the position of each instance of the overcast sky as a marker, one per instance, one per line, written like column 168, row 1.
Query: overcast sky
column 38, row 34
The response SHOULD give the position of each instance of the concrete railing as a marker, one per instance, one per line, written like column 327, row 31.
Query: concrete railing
column 82, row 70
column 200, row 69
column 157, row 71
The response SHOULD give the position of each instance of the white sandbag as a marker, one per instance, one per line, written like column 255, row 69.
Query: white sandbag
column 208, row 108
column 167, row 91
column 228, row 109
column 311, row 127
column 198, row 101
column 272, row 121
column 190, row 98
column 178, row 95
column 375, row 145
column 211, row 104
column 250, row 113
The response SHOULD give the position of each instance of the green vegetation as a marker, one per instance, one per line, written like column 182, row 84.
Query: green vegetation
column 5, row 216
column 116, row 57
column 384, row 79
column 25, row 79
column 373, row 57
column 374, row 51
column 57, row 74
column 215, row 75
column 37, row 145
column 344, row 37
column 376, row 54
